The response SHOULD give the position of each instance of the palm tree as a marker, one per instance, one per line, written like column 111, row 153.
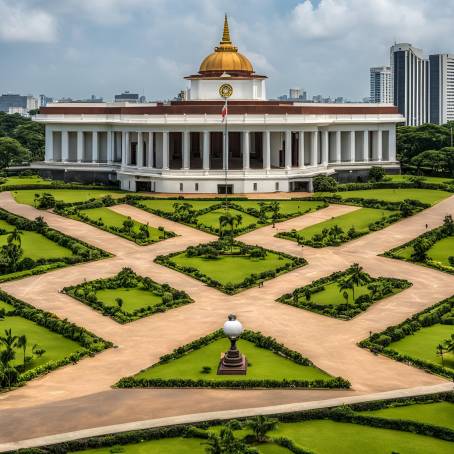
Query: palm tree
column 22, row 343
column 449, row 344
column 356, row 278
column 274, row 208
column 225, row 220
column 15, row 236
column 440, row 352
column 260, row 426
column 119, row 302
column 345, row 285
column 8, row 340
column 236, row 221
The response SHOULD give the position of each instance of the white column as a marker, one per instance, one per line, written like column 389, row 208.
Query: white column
column 80, row 146
column 245, row 148
column 352, row 146
column 379, row 145
column 49, row 150
column 165, row 150
column 186, row 149
column 124, row 148
column 314, row 148
column 266, row 144
column 110, row 146
column 64, row 146
column 392, row 143
column 150, row 161
column 225, row 151
column 206, row 150
column 288, row 149
column 325, row 147
column 139, row 154
column 301, row 149
column 366, row 146
column 94, row 147
column 338, row 147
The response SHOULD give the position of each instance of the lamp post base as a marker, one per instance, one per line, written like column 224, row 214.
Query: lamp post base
column 228, row 367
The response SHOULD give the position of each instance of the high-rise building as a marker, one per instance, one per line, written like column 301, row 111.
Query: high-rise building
column 127, row 96
column 410, row 83
column 17, row 103
column 43, row 100
column 441, row 88
column 380, row 84
column 294, row 93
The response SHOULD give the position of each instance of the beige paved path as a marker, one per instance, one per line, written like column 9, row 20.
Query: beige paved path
column 84, row 390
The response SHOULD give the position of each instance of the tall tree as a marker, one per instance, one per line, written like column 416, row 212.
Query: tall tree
column 12, row 153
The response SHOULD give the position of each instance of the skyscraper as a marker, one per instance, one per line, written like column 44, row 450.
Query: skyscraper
column 380, row 84
column 410, row 83
column 441, row 88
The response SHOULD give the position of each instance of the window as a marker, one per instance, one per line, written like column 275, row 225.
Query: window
column 255, row 186
column 181, row 187
column 276, row 186
column 197, row 187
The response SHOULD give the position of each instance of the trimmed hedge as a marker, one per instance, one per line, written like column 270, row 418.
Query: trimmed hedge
column 127, row 279
column 257, row 339
column 442, row 312
column 82, row 252
column 220, row 247
column 342, row 311
column 91, row 343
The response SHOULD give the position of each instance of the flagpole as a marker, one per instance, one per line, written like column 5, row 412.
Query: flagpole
column 226, row 151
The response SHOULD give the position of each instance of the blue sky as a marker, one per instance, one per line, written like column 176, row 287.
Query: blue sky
column 82, row 47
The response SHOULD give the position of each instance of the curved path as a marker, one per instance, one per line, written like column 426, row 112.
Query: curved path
column 84, row 391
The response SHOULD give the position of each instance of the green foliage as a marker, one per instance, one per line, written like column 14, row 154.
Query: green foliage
column 376, row 173
column 12, row 153
column 44, row 201
column 324, row 183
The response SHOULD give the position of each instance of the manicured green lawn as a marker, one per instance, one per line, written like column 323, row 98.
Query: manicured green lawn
column 168, row 205
column 422, row 344
column 265, row 365
column 438, row 413
column 359, row 219
column 442, row 250
column 286, row 206
column 26, row 181
column 37, row 246
column 333, row 296
column 27, row 196
column 133, row 298
column 328, row 437
column 57, row 347
column 6, row 306
column 113, row 219
column 163, row 446
column 406, row 178
column 231, row 269
column 211, row 219
column 5, row 226
column 431, row 196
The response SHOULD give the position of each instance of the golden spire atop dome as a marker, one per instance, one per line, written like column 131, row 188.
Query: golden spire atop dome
column 226, row 58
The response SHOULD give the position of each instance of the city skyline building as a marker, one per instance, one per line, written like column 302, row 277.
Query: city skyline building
column 15, row 103
column 441, row 88
column 380, row 84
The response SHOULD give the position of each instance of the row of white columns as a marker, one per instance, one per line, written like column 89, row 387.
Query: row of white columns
column 314, row 160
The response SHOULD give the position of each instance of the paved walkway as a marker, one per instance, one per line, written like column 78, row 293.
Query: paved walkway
column 84, row 391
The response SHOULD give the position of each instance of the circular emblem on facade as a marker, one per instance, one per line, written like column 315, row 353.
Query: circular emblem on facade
column 226, row 90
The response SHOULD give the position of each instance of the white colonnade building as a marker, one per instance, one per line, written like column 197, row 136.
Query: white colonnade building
column 180, row 147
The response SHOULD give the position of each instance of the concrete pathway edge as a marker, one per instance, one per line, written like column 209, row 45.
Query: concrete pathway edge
column 228, row 414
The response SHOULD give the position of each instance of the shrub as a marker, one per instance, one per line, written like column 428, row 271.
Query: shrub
column 376, row 173
column 324, row 183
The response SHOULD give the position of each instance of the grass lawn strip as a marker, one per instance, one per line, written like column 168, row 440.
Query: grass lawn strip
column 435, row 413
column 325, row 296
column 140, row 296
column 272, row 366
column 211, row 219
column 60, row 341
column 415, row 340
column 27, row 196
column 230, row 266
column 430, row 196
column 41, row 248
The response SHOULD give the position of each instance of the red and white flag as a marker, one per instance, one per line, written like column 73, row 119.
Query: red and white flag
column 224, row 111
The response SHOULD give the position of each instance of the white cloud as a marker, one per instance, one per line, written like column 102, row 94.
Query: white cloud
column 21, row 23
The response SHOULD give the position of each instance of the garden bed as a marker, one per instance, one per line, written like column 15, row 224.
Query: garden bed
column 31, row 247
column 344, row 294
column 270, row 365
column 49, row 342
column 127, row 296
column 416, row 341
column 229, row 265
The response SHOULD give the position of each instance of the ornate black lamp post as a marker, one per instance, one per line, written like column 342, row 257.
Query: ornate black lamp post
column 233, row 362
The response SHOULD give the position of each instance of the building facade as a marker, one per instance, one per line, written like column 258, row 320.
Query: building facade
column 189, row 147
column 441, row 86
column 380, row 85
column 13, row 103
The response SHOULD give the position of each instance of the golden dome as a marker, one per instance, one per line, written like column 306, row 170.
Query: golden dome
column 226, row 58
